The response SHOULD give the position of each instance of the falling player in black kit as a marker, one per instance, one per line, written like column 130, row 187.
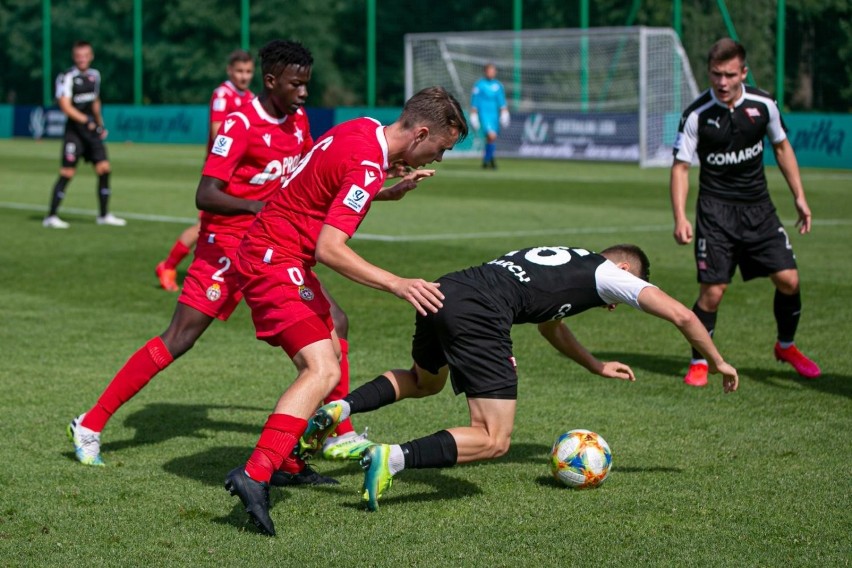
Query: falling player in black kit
column 736, row 223
column 78, row 96
column 469, row 339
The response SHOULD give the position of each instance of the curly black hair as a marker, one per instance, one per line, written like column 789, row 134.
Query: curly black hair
column 281, row 53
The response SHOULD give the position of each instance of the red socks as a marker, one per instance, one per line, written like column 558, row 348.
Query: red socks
column 177, row 254
column 280, row 435
column 342, row 388
column 142, row 366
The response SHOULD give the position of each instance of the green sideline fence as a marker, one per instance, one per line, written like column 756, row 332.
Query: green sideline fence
column 820, row 140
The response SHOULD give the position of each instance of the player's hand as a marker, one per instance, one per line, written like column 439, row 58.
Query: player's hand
column 419, row 293
column 683, row 232
column 406, row 184
column 505, row 119
column 730, row 379
column 397, row 169
column 474, row 121
column 617, row 370
column 102, row 132
column 804, row 221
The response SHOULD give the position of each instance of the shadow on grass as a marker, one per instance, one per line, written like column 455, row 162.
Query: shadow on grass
column 778, row 375
column 212, row 465
column 550, row 481
column 443, row 488
column 160, row 422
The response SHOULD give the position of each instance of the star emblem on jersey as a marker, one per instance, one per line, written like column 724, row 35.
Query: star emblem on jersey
column 306, row 293
column 300, row 136
column 267, row 138
column 214, row 292
column 229, row 123
column 369, row 177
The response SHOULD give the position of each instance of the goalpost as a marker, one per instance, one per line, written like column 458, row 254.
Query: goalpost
column 611, row 94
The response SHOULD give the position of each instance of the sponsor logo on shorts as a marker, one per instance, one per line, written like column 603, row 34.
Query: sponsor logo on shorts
column 356, row 199
column 222, row 145
column 514, row 362
column 306, row 293
column 214, row 292
column 702, row 265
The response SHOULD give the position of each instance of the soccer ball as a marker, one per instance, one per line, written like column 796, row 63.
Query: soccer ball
column 580, row 459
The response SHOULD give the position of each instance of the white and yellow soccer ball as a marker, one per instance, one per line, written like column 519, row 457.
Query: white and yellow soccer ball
column 580, row 459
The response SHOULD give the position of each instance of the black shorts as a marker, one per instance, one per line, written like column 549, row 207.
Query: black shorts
column 471, row 336
column 84, row 144
column 748, row 235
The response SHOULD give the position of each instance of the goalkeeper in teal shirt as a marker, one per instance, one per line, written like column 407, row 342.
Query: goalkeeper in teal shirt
column 488, row 111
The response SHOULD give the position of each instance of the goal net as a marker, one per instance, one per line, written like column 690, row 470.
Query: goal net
column 597, row 94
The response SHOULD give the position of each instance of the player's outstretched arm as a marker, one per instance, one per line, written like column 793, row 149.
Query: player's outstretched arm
column 679, row 188
column 561, row 338
column 789, row 166
column 408, row 182
column 656, row 302
column 210, row 196
column 333, row 251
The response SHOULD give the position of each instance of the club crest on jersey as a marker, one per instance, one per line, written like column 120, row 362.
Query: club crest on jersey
column 306, row 293
column 753, row 112
column 356, row 199
column 222, row 145
column 219, row 104
column 214, row 292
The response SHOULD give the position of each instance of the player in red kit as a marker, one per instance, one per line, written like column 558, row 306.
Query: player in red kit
column 321, row 206
column 254, row 147
column 231, row 96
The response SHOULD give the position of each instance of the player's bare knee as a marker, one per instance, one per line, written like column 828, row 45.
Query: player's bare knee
column 787, row 282
column 711, row 297
column 67, row 172
column 501, row 446
column 102, row 168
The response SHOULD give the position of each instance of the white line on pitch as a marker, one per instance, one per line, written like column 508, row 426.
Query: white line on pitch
column 416, row 238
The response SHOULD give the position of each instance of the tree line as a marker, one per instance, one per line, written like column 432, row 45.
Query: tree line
column 186, row 42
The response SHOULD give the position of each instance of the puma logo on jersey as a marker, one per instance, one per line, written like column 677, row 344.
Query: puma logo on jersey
column 228, row 124
column 267, row 138
column 714, row 122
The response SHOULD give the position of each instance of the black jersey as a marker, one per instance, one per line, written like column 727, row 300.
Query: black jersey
column 729, row 143
column 82, row 87
column 534, row 285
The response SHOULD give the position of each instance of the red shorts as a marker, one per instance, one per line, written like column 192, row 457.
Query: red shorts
column 287, row 305
column 211, row 284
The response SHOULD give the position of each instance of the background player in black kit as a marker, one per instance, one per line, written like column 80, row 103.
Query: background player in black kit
column 469, row 338
column 78, row 96
column 736, row 222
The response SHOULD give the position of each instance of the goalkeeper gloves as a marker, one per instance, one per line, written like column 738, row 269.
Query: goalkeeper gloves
column 474, row 121
column 504, row 117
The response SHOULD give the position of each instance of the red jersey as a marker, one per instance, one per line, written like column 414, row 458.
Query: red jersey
column 334, row 184
column 251, row 151
column 225, row 100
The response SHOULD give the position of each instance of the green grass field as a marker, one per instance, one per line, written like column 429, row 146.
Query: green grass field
column 760, row 477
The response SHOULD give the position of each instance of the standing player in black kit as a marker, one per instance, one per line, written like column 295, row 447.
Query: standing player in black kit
column 736, row 223
column 469, row 338
column 78, row 95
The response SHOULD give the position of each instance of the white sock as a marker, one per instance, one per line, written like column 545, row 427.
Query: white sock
column 786, row 344
column 396, row 461
column 696, row 361
column 346, row 410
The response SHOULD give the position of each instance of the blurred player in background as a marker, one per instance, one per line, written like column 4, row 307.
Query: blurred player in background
column 470, row 338
column 736, row 222
column 254, row 147
column 78, row 95
column 488, row 111
column 310, row 221
column 230, row 96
